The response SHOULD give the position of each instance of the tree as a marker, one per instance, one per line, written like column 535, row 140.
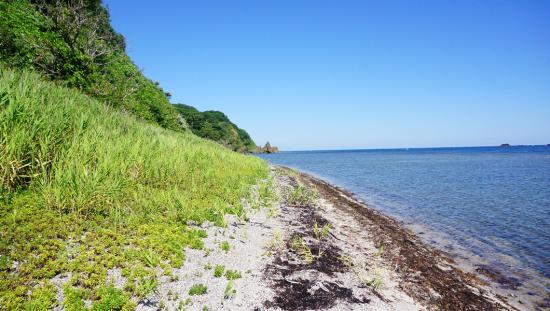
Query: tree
column 216, row 126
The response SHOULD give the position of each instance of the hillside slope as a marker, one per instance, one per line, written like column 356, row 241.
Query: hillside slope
column 73, row 42
column 215, row 125
column 85, row 189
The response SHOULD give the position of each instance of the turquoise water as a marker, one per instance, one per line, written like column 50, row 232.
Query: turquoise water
column 493, row 202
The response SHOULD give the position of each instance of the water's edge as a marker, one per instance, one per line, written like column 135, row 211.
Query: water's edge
column 517, row 293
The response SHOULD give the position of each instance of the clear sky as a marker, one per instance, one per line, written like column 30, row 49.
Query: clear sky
column 314, row 74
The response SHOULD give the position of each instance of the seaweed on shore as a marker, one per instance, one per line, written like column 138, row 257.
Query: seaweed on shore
column 426, row 274
column 289, row 274
column 497, row 276
column 298, row 295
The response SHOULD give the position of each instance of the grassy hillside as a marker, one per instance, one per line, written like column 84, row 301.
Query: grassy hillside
column 73, row 42
column 85, row 188
column 215, row 125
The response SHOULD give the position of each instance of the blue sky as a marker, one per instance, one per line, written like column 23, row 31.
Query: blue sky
column 314, row 74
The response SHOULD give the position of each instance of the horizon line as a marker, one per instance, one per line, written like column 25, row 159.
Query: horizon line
column 407, row 148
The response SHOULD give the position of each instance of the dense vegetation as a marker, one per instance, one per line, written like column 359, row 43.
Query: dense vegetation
column 73, row 41
column 85, row 188
column 216, row 126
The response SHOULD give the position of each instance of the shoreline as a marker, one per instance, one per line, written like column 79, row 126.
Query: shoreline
column 424, row 271
column 519, row 291
column 314, row 246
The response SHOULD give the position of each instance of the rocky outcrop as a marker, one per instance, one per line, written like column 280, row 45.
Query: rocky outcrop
column 267, row 148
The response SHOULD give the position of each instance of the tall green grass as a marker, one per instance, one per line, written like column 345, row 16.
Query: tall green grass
column 75, row 174
column 81, row 157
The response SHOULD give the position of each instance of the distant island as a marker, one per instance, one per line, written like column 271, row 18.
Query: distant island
column 505, row 145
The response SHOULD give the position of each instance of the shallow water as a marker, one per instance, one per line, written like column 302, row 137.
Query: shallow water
column 492, row 202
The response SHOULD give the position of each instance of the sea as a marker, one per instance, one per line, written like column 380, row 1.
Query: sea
column 486, row 207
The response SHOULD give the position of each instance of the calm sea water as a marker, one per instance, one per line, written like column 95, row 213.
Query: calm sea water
column 493, row 202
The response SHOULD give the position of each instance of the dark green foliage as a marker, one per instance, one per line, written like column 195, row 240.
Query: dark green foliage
column 73, row 42
column 215, row 125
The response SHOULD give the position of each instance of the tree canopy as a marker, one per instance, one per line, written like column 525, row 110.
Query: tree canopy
column 73, row 41
column 215, row 125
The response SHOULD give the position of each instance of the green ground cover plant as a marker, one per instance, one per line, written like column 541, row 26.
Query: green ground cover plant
column 218, row 270
column 321, row 232
column 225, row 246
column 232, row 274
column 300, row 246
column 302, row 196
column 198, row 289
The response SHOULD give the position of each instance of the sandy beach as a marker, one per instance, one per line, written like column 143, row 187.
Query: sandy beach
column 319, row 248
